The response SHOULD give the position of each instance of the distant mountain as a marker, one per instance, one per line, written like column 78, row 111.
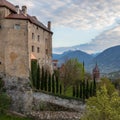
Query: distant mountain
column 108, row 61
column 81, row 56
column 114, row 75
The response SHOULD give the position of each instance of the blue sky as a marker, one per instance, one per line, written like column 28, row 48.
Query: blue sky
column 76, row 21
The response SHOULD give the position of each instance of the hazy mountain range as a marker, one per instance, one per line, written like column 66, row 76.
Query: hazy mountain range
column 108, row 60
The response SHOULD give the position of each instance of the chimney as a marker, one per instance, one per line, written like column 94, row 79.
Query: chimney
column 24, row 10
column 49, row 25
column 17, row 9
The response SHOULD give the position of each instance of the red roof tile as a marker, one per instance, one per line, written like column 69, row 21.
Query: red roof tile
column 17, row 16
column 33, row 20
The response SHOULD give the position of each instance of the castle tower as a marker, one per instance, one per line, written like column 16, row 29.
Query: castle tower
column 96, row 73
column 22, row 38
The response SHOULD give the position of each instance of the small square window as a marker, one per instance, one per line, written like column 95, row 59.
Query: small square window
column 17, row 26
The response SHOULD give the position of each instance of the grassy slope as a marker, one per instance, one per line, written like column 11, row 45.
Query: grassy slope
column 10, row 117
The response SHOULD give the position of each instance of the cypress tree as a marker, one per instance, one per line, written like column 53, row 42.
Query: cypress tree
column 60, row 89
column 84, row 91
column 57, row 84
column 49, row 83
column 34, row 72
column 91, row 89
column 38, row 77
column 73, row 91
column 42, row 79
column 46, row 81
column 53, row 84
column 94, row 86
column 77, row 91
column 81, row 90
column 87, row 89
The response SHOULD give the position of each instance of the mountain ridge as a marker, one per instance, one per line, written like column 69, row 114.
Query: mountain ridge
column 108, row 60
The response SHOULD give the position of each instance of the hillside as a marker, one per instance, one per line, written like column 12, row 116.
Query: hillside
column 108, row 60
column 81, row 56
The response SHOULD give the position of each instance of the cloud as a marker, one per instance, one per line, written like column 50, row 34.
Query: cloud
column 80, row 14
column 106, row 39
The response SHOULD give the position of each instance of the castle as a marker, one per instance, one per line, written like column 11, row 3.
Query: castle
column 22, row 38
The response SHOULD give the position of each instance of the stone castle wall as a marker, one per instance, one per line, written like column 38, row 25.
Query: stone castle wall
column 16, row 41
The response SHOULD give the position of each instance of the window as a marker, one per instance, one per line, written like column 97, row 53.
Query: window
column 17, row 26
column 38, row 37
column 46, row 51
column 33, row 49
column 33, row 36
column 38, row 49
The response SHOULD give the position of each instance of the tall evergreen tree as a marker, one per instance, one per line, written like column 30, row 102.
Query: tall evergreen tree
column 49, row 83
column 57, row 84
column 46, row 80
column 91, row 89
column 81, row 89
column 38, row 77
column 84, row 91
column 60, row 89
column 53, row 83
column 94, row 86
column 73, row 90
column 77, row 91
column 87, row 89
column 34, row 72
column 42, row 79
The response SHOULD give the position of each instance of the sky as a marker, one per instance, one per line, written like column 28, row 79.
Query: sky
column 76, row 22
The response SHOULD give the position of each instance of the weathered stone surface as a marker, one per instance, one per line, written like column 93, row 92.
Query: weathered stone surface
column 50, row 115
column 41, row 98
column 37, row 105
column 20, row 92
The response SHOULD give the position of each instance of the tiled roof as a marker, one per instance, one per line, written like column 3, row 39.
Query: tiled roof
column 33, row 20
column 21, row 16
column 17, row 16
column 4, row 3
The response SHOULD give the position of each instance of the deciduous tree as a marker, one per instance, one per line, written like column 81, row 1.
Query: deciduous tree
column 103, row 106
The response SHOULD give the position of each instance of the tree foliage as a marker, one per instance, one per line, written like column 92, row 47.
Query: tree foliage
column 73, row 71
column 103, row 106
column 109, row 86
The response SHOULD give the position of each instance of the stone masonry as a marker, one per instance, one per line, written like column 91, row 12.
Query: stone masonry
column 22, row 38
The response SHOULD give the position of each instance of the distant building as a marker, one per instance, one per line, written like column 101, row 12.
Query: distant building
column 22, row 38
column 96, row 73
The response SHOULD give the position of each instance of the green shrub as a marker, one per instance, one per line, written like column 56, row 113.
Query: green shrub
column 4, row 102
column 10, row 117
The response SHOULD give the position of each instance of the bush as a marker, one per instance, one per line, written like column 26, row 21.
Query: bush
column 4, row 102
